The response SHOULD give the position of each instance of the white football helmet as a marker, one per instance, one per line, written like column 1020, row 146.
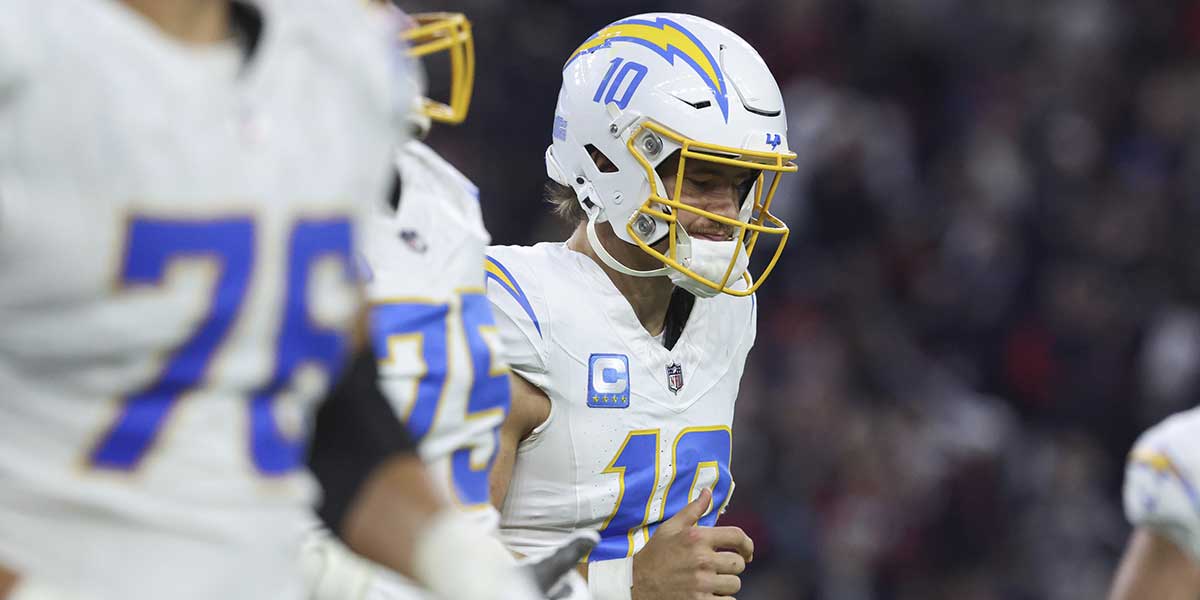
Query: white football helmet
column 644, row 88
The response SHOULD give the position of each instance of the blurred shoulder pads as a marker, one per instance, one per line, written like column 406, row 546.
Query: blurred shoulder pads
column 1161, row 479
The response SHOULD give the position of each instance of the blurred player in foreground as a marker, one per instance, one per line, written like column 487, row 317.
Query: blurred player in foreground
column 629, row 339
column 1162, row 501
column 179, row 186
column 433, row 329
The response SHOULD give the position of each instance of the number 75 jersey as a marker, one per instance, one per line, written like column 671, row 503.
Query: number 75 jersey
column 635, row 430
column 432, row 327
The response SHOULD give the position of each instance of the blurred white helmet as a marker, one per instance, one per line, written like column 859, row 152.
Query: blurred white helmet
column 644, row 88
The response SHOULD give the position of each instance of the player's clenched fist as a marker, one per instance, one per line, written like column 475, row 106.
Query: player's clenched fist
column 683, row 561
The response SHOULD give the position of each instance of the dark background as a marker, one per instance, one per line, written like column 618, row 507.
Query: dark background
column 990, row 291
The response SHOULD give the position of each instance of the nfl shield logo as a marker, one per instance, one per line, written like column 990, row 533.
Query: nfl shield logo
column 674, row 377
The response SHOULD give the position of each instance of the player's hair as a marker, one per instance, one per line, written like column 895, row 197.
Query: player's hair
column 565, row 203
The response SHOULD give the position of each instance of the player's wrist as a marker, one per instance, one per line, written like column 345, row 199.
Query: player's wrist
column 611, row 579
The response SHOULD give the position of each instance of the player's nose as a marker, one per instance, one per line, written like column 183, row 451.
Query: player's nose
column 722, row 201
column 705, row 227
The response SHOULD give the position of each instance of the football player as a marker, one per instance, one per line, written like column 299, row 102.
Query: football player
column 1162, row 501
column 432, row 327
column 629, row 339
column 179, row 186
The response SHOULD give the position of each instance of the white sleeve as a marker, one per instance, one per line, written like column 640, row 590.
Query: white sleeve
column 521, row 319
column 1160, row 490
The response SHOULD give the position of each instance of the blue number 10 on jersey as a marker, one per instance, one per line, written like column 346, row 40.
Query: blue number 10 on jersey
column 152, row 246
column 696, row 450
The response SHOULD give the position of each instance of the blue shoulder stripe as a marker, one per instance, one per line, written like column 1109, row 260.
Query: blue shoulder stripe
column 496, row 272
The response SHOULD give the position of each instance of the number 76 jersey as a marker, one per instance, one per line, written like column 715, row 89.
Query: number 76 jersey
column 176, row 286
column 636, row 430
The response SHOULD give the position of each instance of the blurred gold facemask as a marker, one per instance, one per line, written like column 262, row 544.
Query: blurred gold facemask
column 770, row 165
column 446, row 32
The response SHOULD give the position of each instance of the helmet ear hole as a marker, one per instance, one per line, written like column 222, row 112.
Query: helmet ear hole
column 602, row 162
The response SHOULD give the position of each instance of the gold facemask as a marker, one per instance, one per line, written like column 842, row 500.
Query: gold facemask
column 446, row 32
column 770, row 166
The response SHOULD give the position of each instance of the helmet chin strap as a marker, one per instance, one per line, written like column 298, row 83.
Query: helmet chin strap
column 598, row 248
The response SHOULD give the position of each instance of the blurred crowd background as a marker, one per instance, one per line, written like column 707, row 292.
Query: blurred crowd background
column 990, row 291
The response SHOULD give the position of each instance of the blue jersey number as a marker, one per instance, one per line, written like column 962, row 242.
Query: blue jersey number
column 152, row 246
column 427, row 323
column 617, row 77
column 636, row 463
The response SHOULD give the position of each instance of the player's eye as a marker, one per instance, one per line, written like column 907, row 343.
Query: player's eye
column 702, row 181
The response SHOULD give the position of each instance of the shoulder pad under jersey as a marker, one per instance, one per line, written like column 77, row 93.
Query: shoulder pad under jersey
column 1161, row 478
column 515, row 276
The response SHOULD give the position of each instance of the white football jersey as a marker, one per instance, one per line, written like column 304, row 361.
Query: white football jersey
column 1161, row 480
column 432, row 327
column 433, row 330
column 635, row 430
column 176, row 283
